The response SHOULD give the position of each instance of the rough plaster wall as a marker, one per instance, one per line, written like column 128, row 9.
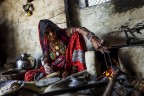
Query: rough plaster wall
column 103, row 21
column 22, row 29
column 132, row 60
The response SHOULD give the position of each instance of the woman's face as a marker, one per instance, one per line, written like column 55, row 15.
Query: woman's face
column 52, row 36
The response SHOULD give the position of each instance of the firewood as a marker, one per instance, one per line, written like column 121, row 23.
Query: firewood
column 110, row 85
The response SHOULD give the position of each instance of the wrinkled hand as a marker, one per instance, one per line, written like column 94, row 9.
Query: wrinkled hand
column 84, row 31
column 64, row 74
column 103, row 49
column 99, row 45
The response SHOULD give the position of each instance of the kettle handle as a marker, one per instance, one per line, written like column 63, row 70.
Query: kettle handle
column 25, row 55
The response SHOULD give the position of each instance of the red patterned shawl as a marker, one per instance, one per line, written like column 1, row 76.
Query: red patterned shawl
column 75, row 52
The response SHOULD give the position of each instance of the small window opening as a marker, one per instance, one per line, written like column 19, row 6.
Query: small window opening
column 87, row 3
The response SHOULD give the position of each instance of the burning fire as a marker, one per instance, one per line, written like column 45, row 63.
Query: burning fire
column 109, row 73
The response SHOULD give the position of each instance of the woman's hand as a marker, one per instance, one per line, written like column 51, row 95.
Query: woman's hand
column 99, row 45
column 64, row 74
column 84, row 31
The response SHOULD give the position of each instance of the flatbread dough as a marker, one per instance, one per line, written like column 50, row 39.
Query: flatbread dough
column 8, row 87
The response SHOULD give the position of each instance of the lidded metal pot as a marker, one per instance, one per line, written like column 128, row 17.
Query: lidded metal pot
column 25, row 61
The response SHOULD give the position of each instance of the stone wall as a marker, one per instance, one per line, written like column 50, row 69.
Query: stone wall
column 104, row 21
column 131, row 58
column 22, row 30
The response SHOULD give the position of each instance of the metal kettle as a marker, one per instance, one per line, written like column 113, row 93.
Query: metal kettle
column 24, row 62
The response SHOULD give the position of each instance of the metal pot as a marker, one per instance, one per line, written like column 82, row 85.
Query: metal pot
column 24, row 62
column 76, row 81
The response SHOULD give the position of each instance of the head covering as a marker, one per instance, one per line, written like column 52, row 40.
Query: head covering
column 43, row 24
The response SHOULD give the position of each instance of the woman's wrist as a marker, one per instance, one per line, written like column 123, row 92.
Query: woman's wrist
column 90, row 35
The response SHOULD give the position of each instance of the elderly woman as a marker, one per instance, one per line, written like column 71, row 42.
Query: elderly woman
column 63, row 49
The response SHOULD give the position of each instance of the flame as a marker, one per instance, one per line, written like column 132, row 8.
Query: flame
column 109, row 73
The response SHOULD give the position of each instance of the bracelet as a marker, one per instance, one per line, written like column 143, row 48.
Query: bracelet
column 90, row 35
